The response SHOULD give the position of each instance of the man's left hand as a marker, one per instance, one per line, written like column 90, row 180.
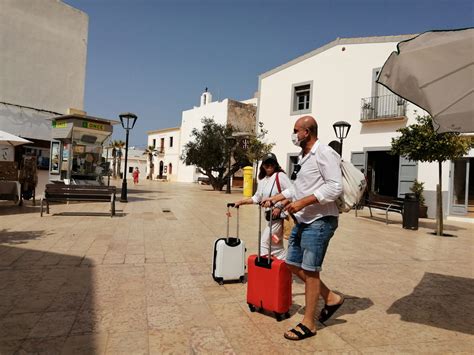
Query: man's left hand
column 295, row 206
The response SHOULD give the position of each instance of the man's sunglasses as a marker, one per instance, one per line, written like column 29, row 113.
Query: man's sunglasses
column 296, row 170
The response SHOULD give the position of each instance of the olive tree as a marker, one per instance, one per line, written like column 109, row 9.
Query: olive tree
column 421, row 142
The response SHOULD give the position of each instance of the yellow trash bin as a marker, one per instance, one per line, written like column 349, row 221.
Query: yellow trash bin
column 248, row 181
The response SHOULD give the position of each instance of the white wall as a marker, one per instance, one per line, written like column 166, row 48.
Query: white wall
column 171, row 154
column 43, row 48
column 340, row 80
column 192, row 119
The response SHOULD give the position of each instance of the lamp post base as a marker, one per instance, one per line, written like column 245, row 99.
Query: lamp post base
column 123, row 196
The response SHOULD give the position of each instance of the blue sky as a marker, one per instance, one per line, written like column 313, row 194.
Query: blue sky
column 155, row 57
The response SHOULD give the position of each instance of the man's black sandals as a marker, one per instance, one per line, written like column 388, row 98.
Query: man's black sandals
column 300, row 335
column 328, row 311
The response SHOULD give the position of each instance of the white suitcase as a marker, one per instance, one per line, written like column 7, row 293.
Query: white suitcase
column 228, row 262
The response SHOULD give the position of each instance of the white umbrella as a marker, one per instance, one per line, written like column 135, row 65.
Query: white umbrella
column 435, row 71
column 11, row 139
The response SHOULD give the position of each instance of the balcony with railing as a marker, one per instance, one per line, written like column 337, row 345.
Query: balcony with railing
column 383, row 108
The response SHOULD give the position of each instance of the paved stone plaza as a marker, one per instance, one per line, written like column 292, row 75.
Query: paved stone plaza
column 79, row 282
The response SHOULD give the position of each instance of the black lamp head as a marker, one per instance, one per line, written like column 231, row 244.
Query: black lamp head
column 128, row 120
column 341, row 129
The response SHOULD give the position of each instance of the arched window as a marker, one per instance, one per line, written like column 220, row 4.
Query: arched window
column 170, row 169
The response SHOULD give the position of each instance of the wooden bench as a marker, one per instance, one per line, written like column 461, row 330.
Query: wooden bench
column 203, row 180
column 66, row 193
column 395, row 205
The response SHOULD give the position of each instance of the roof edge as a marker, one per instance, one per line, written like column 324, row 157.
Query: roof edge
column 163, row 130
column 338, row 41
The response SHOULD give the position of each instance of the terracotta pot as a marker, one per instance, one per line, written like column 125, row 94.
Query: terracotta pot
column 423, row 211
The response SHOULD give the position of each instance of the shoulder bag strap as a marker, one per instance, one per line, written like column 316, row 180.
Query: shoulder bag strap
column 277, row 179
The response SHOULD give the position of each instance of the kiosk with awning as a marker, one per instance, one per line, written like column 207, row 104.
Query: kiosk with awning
column 76, row 148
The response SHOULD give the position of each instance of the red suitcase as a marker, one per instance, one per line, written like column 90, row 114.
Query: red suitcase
column 268, row 281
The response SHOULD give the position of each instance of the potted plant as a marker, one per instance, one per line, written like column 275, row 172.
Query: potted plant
column 400, row 106
column 367, row 110
column 417, row 189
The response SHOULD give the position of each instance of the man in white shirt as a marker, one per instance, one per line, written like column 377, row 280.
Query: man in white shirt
column 317, row 184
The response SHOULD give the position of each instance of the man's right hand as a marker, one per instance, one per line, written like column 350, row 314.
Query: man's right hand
column 267, row 202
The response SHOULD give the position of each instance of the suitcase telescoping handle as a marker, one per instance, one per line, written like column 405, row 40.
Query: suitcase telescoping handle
column 260, row 233
column 229, row 205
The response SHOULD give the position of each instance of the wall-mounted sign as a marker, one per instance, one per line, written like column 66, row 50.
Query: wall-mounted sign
column 59, row 124
column 7, row 153
column 92, row 125
column 54, row 161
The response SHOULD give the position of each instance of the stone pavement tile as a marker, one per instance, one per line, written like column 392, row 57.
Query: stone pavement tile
column 92, row 259
column 53, row 324
column 8, row 258
column 165, row 317
column 17, row 326
column 67, row 301
column 127, row 301
column 34, row 302
column 114, row 258
column 193, row 296
column 206, row 340
column 100, row 301
column 8, row 347
column 44, row 345
column 4, row 310
column 135, row 250
column 131, row 343
column 176, row 340
column 93, row 321
column 134, row 259
column 29, row 258
column 230, row 314
column 85, row 344
column 129, row 320
column 156, row 296
column 49, row 259
column 197, row 315
column 205, row 280
column 359, row 337
column 217, row 294
column 154, row 259
column 248, row 339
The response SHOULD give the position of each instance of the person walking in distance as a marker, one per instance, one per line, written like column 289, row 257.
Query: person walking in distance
column 136, row 174
column 317, row 184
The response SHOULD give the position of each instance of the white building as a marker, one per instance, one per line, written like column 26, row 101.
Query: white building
column 337, row 82
column 240, row 114
column 43, row 50
column 166, row 143
column 136, row 159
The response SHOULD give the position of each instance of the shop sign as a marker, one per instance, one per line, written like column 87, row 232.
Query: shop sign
column 92, row 125
column 59, row 124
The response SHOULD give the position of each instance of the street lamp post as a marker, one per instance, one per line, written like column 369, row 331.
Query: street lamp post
column 231, row 141
column 341, row 129
column 128, row 121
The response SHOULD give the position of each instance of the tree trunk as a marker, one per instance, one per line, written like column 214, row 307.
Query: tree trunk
column 150, row 173
column 114, row 167
column 119, row 162
column 439, row 203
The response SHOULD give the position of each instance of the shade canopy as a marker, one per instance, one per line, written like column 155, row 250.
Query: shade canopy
column 11, row 139
column 435, row 71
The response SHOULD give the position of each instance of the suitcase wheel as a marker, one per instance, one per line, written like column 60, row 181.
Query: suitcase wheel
column 221, row 282
column 279, row 317
column 287, row 315
column 252, row 307
column 242, row 279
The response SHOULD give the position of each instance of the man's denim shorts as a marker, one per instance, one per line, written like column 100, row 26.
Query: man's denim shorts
column 308, row 243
